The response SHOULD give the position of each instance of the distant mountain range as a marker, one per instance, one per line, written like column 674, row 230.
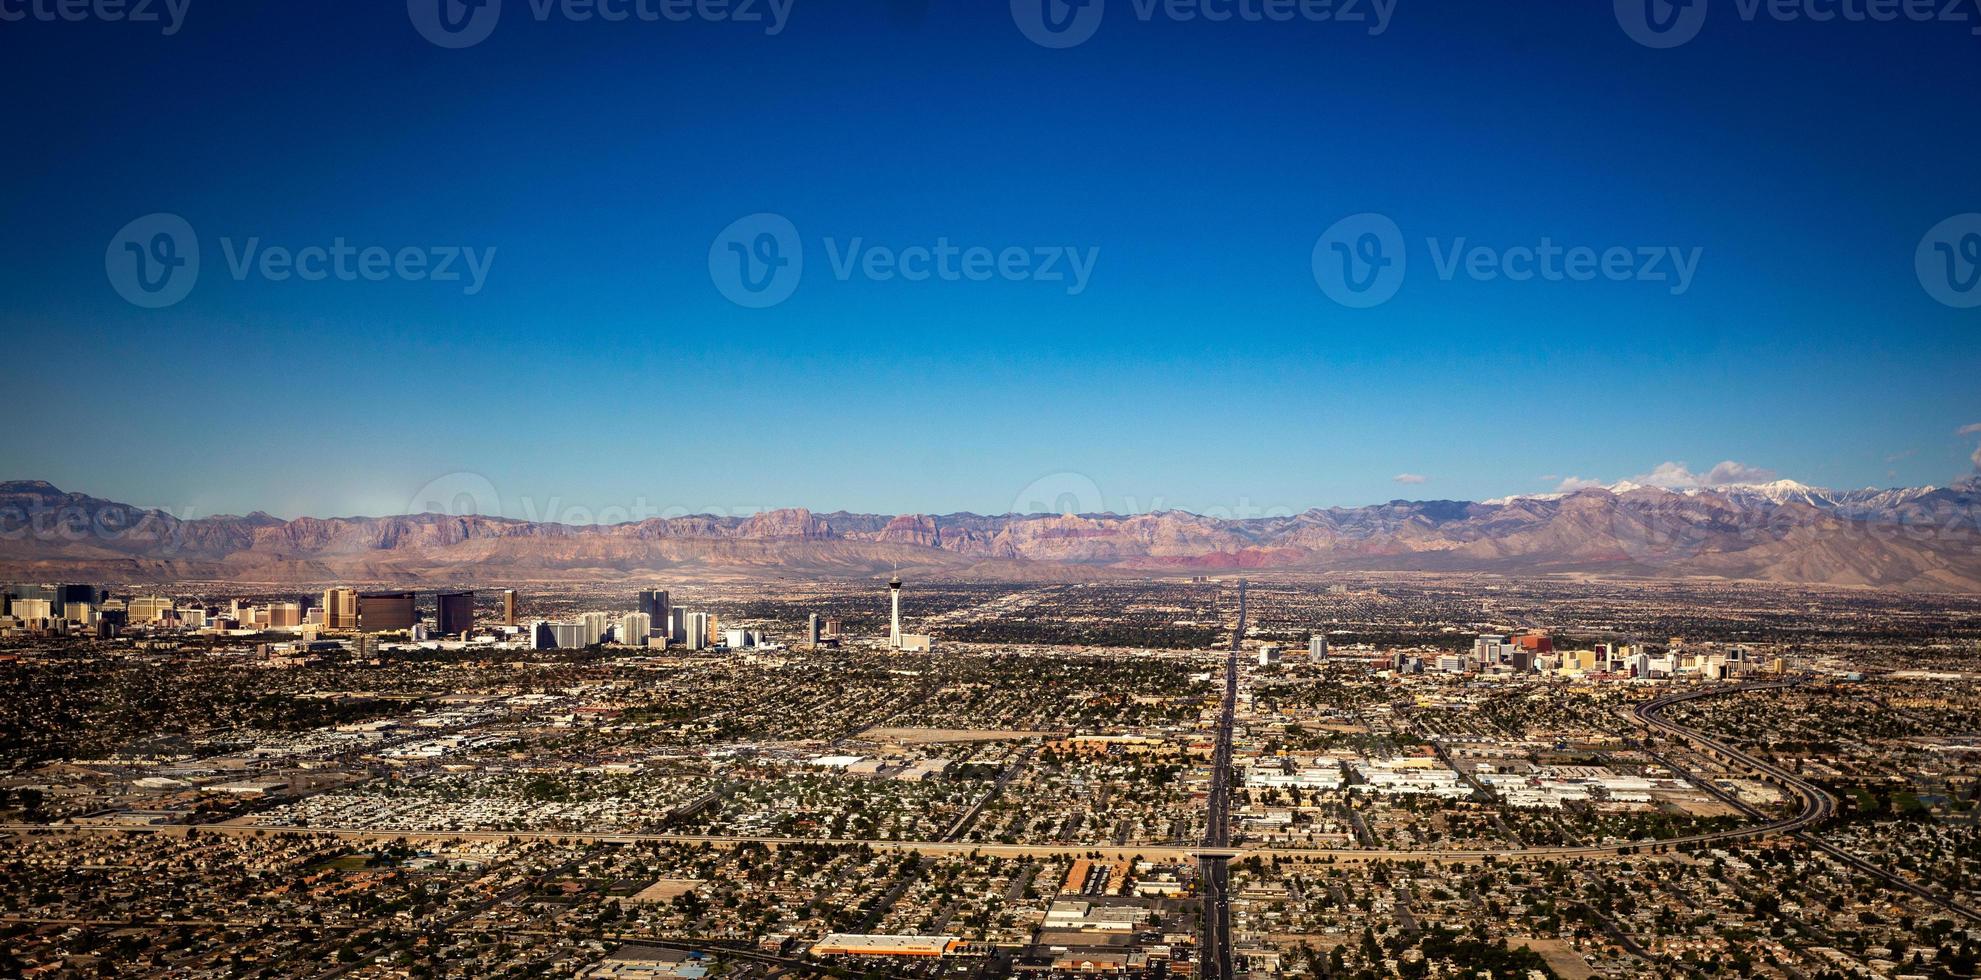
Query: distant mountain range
column 1920, row 539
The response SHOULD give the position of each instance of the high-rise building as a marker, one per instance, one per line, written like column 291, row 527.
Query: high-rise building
column 595, row 624
column 812, row 631
column 456, row 613
column 894, row 629
column 509, row 607
column 42, row 592
column 557, row 636
column 633, row 629
column 895, row 638
column 340, row 609
column 386, row 612
column 285, row 614
column 148, row 608
column 694, row 630
column 65, row 594
column 31, row 609
column 1317, row 646
column 832, row 627
column 655, row 604
column 1535, row 641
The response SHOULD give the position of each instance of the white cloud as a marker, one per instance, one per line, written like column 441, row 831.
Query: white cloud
column 1411, row 478
column 1677, row 476
column 1731, row 472
column 1972, row 430
column 1667, row 474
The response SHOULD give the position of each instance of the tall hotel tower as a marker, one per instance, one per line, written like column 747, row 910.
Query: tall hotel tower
column 894, row 633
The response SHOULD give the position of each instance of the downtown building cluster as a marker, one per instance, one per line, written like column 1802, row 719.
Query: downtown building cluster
column 344, row 619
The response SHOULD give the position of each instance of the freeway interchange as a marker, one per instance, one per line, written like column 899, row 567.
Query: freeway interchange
column 1818, row 806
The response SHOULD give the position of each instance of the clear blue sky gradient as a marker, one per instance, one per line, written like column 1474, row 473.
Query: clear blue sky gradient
column 1203, row 368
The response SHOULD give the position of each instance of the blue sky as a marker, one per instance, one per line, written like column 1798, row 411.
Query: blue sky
column 1202, row 366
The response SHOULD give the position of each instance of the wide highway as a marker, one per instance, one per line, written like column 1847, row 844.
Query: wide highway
column 1215, row 864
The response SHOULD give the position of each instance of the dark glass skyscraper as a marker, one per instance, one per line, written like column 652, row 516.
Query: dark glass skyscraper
column 654, row 603
column 385, row 612
column 456, row 615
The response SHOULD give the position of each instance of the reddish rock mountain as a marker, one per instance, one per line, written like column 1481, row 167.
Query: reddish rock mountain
column 1925, row 539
